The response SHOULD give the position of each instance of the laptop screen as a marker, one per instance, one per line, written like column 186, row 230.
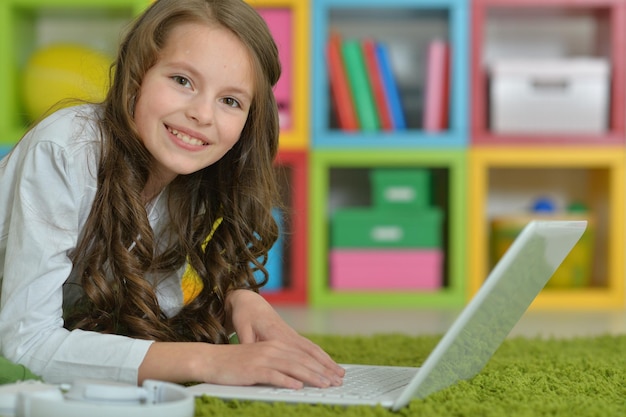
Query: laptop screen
column 505, row 295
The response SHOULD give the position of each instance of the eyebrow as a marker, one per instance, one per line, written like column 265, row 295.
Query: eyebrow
column 182, row 65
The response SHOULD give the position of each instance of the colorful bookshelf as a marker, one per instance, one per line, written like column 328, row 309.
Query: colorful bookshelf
column 314, row 151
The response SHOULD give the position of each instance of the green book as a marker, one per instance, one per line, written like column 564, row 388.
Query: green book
column 360, row 87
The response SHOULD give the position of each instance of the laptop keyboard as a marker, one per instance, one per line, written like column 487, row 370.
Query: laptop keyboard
column 358, row 383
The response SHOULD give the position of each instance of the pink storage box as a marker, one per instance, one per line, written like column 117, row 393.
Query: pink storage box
column 404, row 269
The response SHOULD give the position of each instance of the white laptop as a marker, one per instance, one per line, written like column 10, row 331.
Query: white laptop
column 465, row 348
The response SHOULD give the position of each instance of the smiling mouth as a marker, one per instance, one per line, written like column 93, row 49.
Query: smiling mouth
column 186, row 138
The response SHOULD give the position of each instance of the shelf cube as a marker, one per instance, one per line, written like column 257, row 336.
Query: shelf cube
column 552, row 30
column 341, row 186
column 506, row 181
column 28, row 26
column 405, row 29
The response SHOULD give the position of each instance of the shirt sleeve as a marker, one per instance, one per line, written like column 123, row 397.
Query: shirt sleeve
column 44, row 226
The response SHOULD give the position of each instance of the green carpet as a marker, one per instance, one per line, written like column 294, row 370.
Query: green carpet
column 525, row 377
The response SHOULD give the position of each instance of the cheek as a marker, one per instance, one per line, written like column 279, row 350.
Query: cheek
column 146, row 112
column 140, row 117
column 145, row 105
column 242, row 124
column 234, row 129
column 149, row 100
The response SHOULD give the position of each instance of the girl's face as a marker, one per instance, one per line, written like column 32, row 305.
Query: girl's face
column 193, row 103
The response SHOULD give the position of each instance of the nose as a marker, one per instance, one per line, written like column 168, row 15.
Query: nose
column 201, row 110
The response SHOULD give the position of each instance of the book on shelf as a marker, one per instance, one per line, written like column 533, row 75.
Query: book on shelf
column 359, row 85
column 437, row 86
column 390, row 87
column 339, row 85
column 378, row 88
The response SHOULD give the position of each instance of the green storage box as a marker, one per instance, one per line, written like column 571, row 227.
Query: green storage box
column 401, row 188
column 376, row 228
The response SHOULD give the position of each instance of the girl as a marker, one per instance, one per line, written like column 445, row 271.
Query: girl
column 130, row 230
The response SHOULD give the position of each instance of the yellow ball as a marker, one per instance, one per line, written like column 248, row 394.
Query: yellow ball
column 64, row 71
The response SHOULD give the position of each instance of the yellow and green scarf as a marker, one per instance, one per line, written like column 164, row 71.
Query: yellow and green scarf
column 191, row 282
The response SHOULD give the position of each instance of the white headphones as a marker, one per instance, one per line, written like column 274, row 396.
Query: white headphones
column 97, row 399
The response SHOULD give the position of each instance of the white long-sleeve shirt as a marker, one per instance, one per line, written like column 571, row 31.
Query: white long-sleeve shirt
column 47, row 187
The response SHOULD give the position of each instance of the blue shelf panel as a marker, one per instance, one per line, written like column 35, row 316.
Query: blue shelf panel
column 389, row 140
column 422, row 4
column 456, row 12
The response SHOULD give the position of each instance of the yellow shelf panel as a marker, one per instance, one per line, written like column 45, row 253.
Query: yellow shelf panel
column 583, row 299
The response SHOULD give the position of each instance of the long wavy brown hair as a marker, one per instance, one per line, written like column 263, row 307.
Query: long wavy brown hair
column 241, row 188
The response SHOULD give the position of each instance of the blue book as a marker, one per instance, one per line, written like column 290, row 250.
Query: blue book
column 391, row 88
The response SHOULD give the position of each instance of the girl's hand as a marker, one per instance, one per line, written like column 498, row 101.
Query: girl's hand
column 278, row 354
column 270, row 353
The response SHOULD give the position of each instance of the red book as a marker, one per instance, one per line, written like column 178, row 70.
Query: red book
column 436, row 86
column 378, row 89
column 339, row 86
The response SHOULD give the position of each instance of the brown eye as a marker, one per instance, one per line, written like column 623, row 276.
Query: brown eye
column 178, row 79
column 231, row 102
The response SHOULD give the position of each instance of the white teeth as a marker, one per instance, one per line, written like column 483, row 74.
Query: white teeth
column 186, row 138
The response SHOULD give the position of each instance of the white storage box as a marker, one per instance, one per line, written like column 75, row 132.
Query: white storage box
column 549, row 96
